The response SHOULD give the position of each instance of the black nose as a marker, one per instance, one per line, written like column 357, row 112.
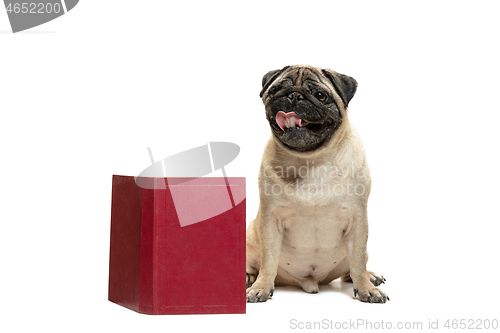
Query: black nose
column 295, row 97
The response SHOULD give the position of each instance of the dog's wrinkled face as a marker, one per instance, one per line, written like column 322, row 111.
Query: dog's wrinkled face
column 301, row 107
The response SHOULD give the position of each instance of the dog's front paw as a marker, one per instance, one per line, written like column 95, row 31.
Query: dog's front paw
column 250, row 279
column 370, row 294
column 376, row 279
column 259, row 294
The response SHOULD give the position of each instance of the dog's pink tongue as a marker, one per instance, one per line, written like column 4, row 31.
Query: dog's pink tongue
column 287, row 120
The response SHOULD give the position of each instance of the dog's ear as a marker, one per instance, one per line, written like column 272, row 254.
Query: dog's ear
column 344, row 85
column 269, row 78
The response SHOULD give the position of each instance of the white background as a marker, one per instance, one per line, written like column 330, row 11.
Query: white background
column 82, row 97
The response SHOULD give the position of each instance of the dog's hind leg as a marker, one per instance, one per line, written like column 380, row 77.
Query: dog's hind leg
column 309, row 286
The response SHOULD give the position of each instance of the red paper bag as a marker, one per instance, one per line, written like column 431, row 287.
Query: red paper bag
column 178, row 245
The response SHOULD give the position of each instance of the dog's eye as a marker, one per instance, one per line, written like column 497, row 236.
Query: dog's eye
column 319, row 95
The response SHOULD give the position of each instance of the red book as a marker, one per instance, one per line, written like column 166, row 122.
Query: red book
column 178, row 248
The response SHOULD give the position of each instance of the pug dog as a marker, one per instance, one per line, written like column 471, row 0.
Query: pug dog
column 312, row 225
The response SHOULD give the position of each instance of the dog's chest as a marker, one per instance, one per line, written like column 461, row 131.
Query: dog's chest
column 319, row 186
column 313, row 239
